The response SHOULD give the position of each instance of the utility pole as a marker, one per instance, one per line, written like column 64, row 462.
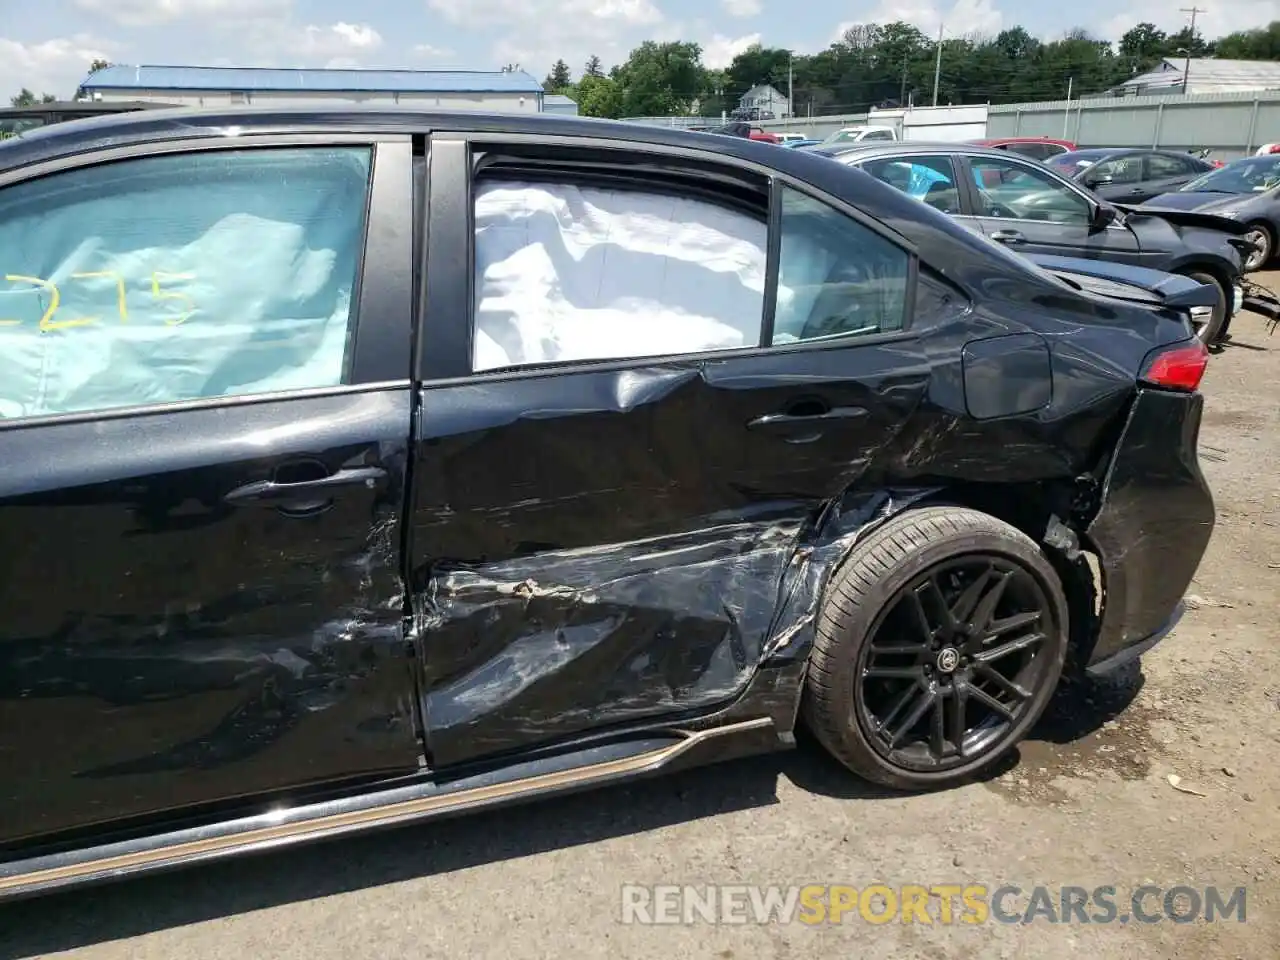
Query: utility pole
column 903, row 95
column 1066, row 114
column 1186, row 63
column 791, row 85
column 937, row 66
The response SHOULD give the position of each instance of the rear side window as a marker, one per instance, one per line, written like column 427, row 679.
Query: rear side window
column 836, row 277
column 929, row 179
column 1159, row 165
column 179, row 277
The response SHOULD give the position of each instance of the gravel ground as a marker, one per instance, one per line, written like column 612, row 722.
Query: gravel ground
column 1087, row 802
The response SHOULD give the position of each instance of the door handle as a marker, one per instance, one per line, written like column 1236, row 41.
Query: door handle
column 305, row 498
column 790, row 424
column 1008, row 236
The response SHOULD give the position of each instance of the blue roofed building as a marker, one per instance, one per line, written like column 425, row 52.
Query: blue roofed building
column 500, row 90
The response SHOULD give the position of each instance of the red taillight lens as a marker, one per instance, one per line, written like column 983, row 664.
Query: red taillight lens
column 1179, row 367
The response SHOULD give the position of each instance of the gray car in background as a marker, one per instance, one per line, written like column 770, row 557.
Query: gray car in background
column 1033, row 209
column 1247, row 191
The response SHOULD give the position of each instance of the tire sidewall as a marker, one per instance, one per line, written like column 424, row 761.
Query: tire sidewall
column 868, row 615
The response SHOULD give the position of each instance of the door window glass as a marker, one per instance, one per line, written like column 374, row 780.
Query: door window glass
column 1017, row 191
column 1162, row 166
column 930, row 179
column 179, row 277
column 567, row 272
column 1120, row 170
column 836, row 277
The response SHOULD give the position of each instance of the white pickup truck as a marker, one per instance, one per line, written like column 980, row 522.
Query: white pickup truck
column 860, row 133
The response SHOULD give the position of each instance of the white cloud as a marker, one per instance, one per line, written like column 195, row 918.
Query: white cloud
column 719, row 51
column 963, row 18
column 1219, row 19
column 147, row 13
column 51, row 66
column 427, row 51
column 335, row 40
column 535, row 33
column 742, row 8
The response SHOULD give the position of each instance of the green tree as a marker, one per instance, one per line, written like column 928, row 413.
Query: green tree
column 98, row 65
column 558, row 79
column 593, row 67
column 756, row 66
column 661, row 79
column 1260, row 44
column 1145, row 44
column 599, row 97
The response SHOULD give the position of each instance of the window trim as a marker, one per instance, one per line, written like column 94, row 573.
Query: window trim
column 374, row 336
column 449, row 362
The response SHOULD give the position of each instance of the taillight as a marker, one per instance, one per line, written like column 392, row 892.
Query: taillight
column 1177, row 367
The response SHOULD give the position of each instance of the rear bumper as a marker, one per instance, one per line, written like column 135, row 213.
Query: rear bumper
column 1153, row 525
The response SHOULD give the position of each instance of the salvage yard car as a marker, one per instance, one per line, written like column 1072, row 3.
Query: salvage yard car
column 1031, row 208
column 1246, row 190
column 370, row 465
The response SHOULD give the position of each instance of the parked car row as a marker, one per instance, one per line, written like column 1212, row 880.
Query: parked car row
column 1115, row 205
column 530, row 454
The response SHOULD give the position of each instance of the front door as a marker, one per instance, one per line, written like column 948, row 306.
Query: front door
column 1030, row 210
column 610, row 483
column 205, row 459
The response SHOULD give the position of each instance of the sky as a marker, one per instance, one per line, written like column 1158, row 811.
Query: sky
column 48, row 45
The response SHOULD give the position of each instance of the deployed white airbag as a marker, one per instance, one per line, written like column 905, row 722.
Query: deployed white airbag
column 178, row 278
column 580, row 273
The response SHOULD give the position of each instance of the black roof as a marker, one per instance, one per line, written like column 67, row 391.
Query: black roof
column 122, row 129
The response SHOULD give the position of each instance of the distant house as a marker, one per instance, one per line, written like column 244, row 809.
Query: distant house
column 1205, row 75
column 764, row 98
column 558, row 103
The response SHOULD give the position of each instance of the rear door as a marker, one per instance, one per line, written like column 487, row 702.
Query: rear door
column 204, row 418
column 613, row 473
column 1164, row 173
column 1032, row 210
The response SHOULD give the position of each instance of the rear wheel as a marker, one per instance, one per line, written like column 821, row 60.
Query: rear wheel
column 1209, row 322
column 939, row 644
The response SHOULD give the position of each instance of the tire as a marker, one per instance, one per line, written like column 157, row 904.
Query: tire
column 1261, row 232
column 863, row 595
column 1209, row 331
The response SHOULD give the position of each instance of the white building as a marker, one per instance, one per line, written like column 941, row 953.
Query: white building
column 1207, row 75
column 222, row 86
column 767, row 99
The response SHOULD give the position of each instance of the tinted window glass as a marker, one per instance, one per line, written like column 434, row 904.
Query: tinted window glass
column 930, row 179
column 569, row 273
column 179, row 277
column 1159, row 165
column 1012, row 190
column 1035, row 151
column 1127, row 169
column 835, row 276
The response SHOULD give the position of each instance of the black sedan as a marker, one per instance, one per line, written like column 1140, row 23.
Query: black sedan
column 364, row 466
column 1032, row 208
column 1130, row 176
column 1247, row 191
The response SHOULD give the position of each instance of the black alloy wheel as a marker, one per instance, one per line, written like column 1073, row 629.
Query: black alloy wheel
column 953, row 662
column 940, row 641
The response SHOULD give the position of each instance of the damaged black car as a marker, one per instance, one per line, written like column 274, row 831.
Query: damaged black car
column 365, row 466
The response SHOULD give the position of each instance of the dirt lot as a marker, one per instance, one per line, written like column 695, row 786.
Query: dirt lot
column 1089, row 802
